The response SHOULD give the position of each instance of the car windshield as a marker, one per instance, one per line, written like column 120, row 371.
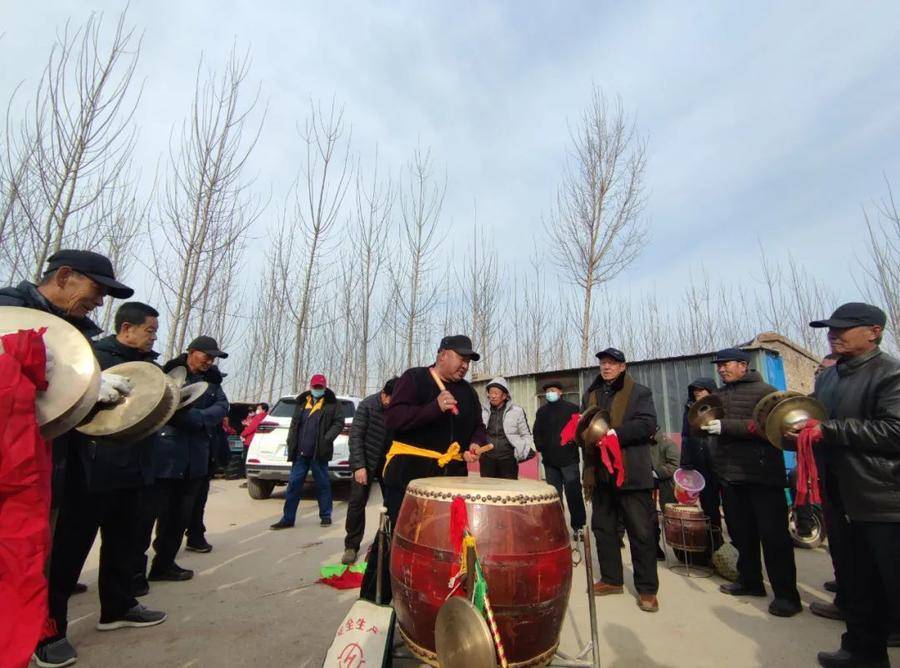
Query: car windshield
column 285, row 408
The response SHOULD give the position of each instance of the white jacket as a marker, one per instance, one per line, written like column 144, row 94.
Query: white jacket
column 515, row 424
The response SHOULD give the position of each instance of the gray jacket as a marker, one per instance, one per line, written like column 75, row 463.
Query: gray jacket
column 515, row 424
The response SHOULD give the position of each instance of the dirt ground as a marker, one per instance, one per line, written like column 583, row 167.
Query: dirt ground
column 253, row 602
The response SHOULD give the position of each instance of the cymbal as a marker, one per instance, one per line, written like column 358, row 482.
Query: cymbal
column 462, row 637
column 789, row 413
column 191, row 392
column 765, row 405
column 74, row 380
column 592, row 426
column 705, row 410
column 163, row 413
column 149, row 386
column 178, row 375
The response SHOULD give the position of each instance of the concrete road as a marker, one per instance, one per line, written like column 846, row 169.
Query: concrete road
column 253, row 602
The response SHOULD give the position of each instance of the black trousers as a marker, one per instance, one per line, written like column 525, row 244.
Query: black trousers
column 175, row 500
column 759, row 514
column 355, row 525
column 143, row 530
column 196, row 531
column 638, row 512
column 82, row 514
column 499, row 467
column 837, row 528
column 871, row 583
column 567, row 479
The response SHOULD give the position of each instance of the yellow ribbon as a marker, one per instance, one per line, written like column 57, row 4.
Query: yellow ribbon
column 312, row 408
column 443, row 458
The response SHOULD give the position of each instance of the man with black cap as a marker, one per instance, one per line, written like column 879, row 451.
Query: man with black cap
column 618, row 477
column 560, row 460
column 751, row 472
column 182, row 456
column 859, row 449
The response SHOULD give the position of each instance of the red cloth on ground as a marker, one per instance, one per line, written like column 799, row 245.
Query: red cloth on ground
column 252, row 426
column 567, row 435
column 25, row 469
column 611, row 456
column 346, row 580
column 807, row 473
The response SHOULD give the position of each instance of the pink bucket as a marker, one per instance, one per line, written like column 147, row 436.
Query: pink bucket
column 688, row 485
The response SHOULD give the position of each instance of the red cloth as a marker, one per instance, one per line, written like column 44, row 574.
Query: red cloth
column 611, row 456
column 25, row 470
column 252, row 426
column 567, row 435
column 807, row 473
column 752, row 428
column 346, row 580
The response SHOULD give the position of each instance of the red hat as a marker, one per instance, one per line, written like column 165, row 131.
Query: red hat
column 318, row 380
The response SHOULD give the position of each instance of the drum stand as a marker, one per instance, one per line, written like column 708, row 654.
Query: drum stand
column 561, row 659
column 699, row 570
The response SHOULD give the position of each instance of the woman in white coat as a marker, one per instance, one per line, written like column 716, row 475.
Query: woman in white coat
column 508, row 430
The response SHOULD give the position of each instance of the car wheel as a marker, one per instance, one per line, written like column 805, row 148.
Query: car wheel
column 260, row 489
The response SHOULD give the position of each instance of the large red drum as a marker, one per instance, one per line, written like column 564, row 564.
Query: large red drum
column 524, row 549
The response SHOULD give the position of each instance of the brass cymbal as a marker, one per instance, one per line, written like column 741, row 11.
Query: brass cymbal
column 191, row 392
column 705, row 410
column 178, row 375
column 74, row 380
column 163, row 413
column 789, row 413
column 765, row 405
column 592, row 426
column 462, row 637
column 148, row 384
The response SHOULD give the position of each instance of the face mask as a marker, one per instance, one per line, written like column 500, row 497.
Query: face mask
column 552, row 396
column 318, row 393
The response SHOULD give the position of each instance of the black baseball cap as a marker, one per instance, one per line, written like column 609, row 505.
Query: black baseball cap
column 208, row 345
column 613, row 353
column 732, row 355
column 552, row 383
column 93, row 265
column 853, row 314
column 461, row 345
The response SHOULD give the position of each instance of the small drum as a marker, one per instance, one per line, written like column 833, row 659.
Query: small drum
column 524, row 549
column 687, row 528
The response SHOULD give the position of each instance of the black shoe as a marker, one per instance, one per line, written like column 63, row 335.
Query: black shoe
column 281, row 524
column 831, row 586
column 141, row 586
column 198, row 546
column 137, row 617
column 737, row 589
column 55, row 654
column 326, row 522
column 844, row 659
column 826, row 610
column 782, row 607
column 171, row 574
column 79, row 588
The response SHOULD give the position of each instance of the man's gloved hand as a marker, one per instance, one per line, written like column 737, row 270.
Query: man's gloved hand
column 112, row 388
column 714, row 427
column 588, row 482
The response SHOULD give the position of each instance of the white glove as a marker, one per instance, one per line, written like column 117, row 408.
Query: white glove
column 714, row 427
column 112, row 388
column 655, row 475
column 51, row 362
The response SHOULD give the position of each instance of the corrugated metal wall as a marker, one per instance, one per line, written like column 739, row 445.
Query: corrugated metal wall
column 667, row 378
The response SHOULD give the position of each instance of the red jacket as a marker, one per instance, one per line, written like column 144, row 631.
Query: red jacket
column 252, row 426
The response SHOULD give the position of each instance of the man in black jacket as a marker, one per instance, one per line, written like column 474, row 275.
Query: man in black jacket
column 369, row 440
column 103, row 485
column 560, row 460
column 182, row 456
column 752, row 474
column 859, row 444
column 318, row 419
column 633, row 421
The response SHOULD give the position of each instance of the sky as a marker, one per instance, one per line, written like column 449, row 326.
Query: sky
column 766, row 123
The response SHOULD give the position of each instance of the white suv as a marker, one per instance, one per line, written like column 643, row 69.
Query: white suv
column 267, row 463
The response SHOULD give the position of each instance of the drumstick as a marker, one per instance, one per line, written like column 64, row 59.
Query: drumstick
column 442, row 388
column 481, row 449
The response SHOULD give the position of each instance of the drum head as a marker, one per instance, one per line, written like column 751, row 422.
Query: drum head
column 148, row 384
column 484, row 490
column 74, row 380
column 462, row 637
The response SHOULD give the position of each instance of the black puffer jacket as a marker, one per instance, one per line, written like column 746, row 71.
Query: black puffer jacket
column 330, row 426
column 548, row 423
column 635, row 430
column 26, row 295
column 861, row 439
column 369, row 438
column 117, row 465
column 739, row 456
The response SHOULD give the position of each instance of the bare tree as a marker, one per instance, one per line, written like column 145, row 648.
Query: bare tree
column 596, row 230
column 881, row 267
column 482, row 297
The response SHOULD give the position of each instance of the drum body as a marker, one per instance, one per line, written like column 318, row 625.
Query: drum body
column 687, row 528
column 524, row 549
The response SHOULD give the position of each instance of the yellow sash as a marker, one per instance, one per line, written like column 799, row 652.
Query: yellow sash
column 443, row 458
column 314, row 407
